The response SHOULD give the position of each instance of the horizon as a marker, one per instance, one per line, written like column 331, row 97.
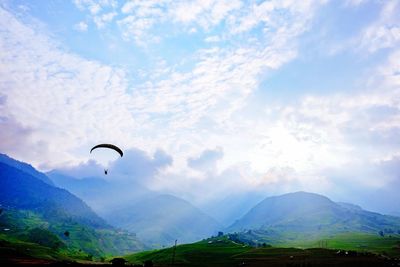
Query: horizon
column 208, row 99
column 254, row 203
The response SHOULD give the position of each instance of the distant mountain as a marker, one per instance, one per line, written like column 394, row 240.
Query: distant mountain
column 101, row 195
column 30, row 207
column 159, row 220
column 22, row 166
column 231, row 208
column 156, row 219
column 19, row 190
column 349, row 206
column 313, row 214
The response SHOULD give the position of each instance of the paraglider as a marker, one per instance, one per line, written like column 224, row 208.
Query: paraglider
column 109, row 146
column 66, row 233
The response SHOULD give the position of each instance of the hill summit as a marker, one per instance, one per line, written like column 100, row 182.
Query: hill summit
column 303, row 212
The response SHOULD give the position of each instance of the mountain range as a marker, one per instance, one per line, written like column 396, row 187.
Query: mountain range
column 157, row 219
column 57, row 202
column 161, row 219
column 304, row 216
column 25, row 167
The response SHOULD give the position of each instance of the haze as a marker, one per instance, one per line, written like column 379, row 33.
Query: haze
column 211, row 101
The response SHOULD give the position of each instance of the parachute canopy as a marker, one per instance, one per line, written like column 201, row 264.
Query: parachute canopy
column 110, row 146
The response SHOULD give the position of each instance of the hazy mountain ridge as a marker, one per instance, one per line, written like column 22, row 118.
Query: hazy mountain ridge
column 160, row 219
column 101, row 195
column 20, row 190
column 157, row 219
column 228, row 209
column 25, row 167
column 303, row 212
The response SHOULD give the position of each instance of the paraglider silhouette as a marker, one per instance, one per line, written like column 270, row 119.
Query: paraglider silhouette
column 109, row 146
column 66, row 233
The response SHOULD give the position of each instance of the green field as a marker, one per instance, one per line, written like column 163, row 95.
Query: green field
column 224, row 252
column 355, row 250
column 29, row 237
column 362, row 242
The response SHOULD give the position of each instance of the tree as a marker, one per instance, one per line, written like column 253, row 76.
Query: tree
column 45, row 238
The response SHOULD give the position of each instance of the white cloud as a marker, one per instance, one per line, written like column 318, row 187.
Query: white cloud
column 81, row 26
column 140, row 17
column 67, row 102
column 204, row 13
column 140, row 21
column 78, row 102
column 324, row 144
column 104, row 19
column 102, row 12
column 212, row 39
column 385, row 31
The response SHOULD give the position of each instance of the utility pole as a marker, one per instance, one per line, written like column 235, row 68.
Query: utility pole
column 173, row 253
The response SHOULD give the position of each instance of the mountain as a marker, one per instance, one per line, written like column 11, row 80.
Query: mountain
column 22, row 166
column 35, row 211
column 161, row 219
column 311, row 214
column 20, row 190
column 101, row 195
column 228, row 209
column 157, row 219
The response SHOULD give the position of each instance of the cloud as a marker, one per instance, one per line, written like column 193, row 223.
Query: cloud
column 13, row 136
column 336, row 145
column 85, row 169
column 384, row 32
column 205, row 14
column 93, row 6
column 138, row 165
column 64, row 85
column 101, row 12
column 140, row 17
column 81, row 26
column 212, row 39
column 104, row 19
column 205, row 102
column 207, row 160
column 76, row 101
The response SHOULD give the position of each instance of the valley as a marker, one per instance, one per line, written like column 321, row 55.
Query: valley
column 42, row 222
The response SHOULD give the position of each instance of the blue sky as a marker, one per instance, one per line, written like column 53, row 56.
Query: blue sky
column 270, row 96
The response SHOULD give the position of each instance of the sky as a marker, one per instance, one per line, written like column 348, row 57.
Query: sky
column 208, row 98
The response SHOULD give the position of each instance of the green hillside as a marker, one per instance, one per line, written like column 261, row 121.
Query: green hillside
column 32, row 211
column 389, row 244
column 68, row 237
column 224, row 252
